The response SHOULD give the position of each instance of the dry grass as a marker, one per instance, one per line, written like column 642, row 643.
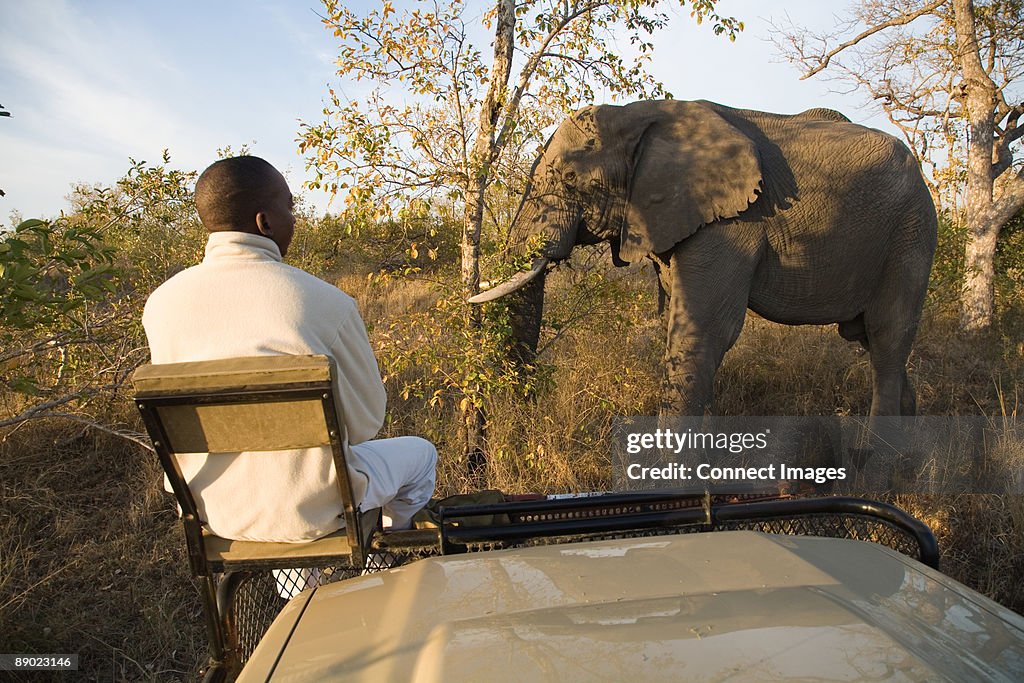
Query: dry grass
column 981, row 538
column 92, row 559
column 782, row 370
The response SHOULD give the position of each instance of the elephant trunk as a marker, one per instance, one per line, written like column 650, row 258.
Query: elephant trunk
column 556, row 223
column 526, row 310
column 546, row 214
column 557, row 226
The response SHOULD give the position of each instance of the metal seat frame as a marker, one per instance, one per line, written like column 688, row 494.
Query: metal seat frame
column 187, row 407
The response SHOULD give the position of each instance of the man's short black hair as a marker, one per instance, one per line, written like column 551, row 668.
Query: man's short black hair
column 232, row 191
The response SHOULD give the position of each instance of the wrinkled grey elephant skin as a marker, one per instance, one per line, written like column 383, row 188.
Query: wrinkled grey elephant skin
column 805, row 219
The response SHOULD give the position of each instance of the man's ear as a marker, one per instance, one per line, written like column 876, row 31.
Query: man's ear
column 263, row 224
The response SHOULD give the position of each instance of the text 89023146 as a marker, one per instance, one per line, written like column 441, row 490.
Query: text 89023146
column 46, row 662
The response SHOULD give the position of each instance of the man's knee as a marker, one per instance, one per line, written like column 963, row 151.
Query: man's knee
column 401, row 463
column 428, row 456
column 428, row 450
column 423, row 452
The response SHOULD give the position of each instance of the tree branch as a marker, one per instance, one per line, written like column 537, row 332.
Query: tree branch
column 40, row 410
column 901, row 20
column 533, row 63
column 1002, row 152
column 128, row 435
column 1009, row 197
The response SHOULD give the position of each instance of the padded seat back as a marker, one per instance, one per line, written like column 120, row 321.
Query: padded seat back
column 238, row 405
column 262, row 403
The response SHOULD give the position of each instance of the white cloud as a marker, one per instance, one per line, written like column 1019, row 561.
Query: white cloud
column 91, row 84
column 71, row 70
column 84, row 97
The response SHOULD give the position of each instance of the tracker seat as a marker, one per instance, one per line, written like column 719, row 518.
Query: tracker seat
column 264, row 403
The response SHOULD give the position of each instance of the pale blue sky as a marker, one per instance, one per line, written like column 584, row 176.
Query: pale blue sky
column 90, row 84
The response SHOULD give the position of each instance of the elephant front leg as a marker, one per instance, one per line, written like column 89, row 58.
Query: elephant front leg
column 692, row 361
column 689, row 386
column 705, row 316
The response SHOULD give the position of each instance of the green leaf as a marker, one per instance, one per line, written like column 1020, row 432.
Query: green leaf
column 29, row 224
column 15, row 245
column 26, row 385
column 26, row 292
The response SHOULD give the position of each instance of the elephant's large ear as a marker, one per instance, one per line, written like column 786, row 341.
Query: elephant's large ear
column 690, row 167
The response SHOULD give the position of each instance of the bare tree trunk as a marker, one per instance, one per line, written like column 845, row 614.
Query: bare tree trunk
column 983, row 231
column 474, row 421
column 977, row 305
column 485, row 146
column 481, row 158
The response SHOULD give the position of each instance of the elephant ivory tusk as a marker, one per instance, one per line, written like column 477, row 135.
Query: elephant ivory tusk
column 512, row 284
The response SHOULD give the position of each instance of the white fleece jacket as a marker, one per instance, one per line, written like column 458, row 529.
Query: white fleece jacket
column 243, row 301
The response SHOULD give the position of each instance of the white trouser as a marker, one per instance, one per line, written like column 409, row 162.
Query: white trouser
column 396, row 475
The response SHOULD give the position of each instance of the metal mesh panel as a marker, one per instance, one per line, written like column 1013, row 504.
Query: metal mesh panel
column 379, row 561
column 856, row 527
column 830, row 526
column 498, row 545
column 256, row 604
column 260, row 597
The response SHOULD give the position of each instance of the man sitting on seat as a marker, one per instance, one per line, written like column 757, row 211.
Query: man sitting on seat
column 242, row 300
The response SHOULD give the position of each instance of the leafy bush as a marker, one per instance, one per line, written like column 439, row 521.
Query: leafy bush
column 72, row 291
column 1010, row 274
column 948, row 268
column 416, row 241
column 947, row 278
column 48, row 270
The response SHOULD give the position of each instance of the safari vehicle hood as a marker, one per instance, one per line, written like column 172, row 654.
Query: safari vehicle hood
column 698, row 607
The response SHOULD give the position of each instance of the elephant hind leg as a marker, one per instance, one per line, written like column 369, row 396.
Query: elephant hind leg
column 892, row 392
column 890, row 325
column 883, row 377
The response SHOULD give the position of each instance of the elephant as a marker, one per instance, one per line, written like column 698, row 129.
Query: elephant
column 803, row 219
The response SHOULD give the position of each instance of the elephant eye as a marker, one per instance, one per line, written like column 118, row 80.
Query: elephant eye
column 569, row 177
